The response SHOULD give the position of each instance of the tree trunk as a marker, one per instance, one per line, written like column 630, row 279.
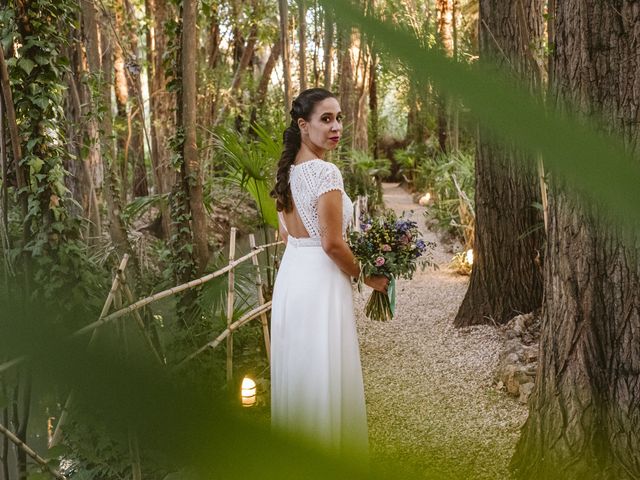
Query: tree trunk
column 261, row 92
column 213, row 44
column 373, row 105
column 416, row 124
column 506, row 278
column 302, row 48
column 583, row 420
column 328, row 49
column 82, row 135
column 190, row 150
column 316, row 43
column 444, row 9
column 136, row 112
column 241, row 68
column 347, row 91
column 105, row 66
column 121, row 120
column 161, row 101
column 92, row 46
column 286, row 64
column 361, row 130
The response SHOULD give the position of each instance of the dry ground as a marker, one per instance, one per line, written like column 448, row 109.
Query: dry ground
column 431, row 403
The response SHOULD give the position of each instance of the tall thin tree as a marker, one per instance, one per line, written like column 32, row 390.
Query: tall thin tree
column 302, row 43
column 161, row 104
column 328, row 49
column 191, row 159
column 286, row 61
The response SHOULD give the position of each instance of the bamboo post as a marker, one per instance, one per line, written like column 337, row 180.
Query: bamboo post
column 263, row 316
column 29, row 451
column 230, row 302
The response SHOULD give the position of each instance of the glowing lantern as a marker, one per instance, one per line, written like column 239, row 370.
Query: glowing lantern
column 425, row 199
column 469, row 257
column 248, row 392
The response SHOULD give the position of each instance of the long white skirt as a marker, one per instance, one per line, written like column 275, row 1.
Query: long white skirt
column 317, row 392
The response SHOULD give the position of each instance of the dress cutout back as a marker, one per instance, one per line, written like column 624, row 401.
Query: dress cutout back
column 308, row 181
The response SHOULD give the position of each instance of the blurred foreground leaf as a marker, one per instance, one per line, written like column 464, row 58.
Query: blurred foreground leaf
column 594, row 163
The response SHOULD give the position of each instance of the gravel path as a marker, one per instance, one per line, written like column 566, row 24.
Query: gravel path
column 431, row 404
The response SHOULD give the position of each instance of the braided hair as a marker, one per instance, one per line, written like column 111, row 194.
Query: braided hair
column 302, row 107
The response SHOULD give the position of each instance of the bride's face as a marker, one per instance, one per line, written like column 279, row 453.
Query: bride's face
column 324, row 127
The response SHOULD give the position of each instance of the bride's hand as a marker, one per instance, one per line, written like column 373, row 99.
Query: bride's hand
column 377, row 282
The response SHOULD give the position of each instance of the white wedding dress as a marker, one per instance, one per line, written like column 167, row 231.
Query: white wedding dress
column 317, row 391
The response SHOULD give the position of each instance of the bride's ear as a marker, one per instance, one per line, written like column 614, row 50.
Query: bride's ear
column 303, row 126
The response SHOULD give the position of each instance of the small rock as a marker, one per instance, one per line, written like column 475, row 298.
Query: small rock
column 512, row 358
column 531, row 354
column 525, row 392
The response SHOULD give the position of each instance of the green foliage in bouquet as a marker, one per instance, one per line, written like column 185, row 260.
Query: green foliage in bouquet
column 392, row 247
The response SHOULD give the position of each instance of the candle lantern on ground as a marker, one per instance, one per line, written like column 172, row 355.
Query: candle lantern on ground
column 248, row 392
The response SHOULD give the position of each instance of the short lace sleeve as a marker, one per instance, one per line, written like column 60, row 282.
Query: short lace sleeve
column 329, row 179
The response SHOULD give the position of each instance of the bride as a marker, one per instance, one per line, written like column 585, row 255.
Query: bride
column 317, row 391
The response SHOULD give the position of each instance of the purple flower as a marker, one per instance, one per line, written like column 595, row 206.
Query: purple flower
column 379, row 261
column 386, row 248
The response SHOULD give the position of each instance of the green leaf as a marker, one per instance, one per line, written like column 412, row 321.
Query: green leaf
column 42, row 102
column 41, row 59
column 33, row 142
column 26, row 65
column 259, row 190
column 36, row 164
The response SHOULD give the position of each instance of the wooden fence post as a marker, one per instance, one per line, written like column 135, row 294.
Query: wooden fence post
column 230, row 302
column 263, row 317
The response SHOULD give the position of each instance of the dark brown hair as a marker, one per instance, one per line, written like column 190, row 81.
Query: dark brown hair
column 302, row 107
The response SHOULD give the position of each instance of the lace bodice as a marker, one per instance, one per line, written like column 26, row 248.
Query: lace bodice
column 308, row 181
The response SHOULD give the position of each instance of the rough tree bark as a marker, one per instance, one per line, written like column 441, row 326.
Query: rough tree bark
column 161, row 105
column 584, row 419
column 190, row 150
column 506, row 278
column 347, row 92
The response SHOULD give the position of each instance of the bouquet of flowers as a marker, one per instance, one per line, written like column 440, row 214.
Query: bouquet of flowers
column 392, row 247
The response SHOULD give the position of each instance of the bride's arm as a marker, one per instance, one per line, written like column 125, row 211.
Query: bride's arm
column 282, row 230
column 330, row 217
